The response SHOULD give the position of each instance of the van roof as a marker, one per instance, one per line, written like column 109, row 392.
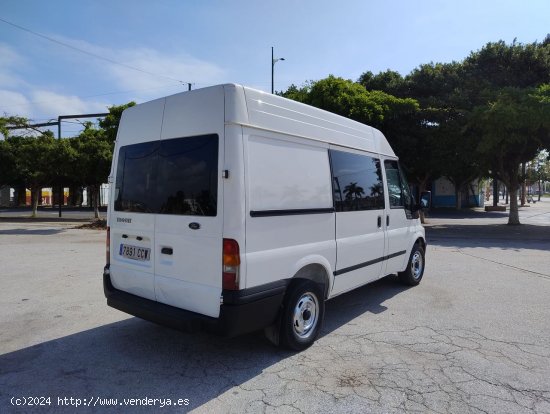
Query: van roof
column 272, row 112
column 261, row 110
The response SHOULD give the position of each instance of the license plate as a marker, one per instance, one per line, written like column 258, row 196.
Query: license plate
column 135, row 253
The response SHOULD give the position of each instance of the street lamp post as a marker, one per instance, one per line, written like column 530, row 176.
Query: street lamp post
column 273, row 61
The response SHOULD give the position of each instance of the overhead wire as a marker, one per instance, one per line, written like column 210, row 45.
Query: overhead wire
column 87, row 52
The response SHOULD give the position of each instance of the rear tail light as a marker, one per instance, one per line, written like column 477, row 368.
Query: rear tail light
column 231, row 262
column 108, row 247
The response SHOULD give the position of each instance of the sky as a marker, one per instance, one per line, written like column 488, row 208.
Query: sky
column 77, row 57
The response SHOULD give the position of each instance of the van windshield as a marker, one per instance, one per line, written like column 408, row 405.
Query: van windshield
column 175, row 176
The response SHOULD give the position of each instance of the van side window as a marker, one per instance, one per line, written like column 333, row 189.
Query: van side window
column 357, row 182
column 174, row 176
column 398, row 187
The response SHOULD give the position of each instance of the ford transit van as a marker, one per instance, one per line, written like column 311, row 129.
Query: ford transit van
column 234, row 210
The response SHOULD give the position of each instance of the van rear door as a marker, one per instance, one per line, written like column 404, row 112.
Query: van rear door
column 189, row 222
column 131, row 222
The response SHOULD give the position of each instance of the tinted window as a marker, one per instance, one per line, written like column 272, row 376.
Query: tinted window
column 398, row 187
column 176, row 176
column 135, row 180
column 357, row 182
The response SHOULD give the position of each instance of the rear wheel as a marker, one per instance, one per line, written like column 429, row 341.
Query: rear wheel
column 415, row 268
column 302, row 317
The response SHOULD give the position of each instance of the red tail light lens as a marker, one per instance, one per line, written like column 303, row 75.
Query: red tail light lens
column 231, row 262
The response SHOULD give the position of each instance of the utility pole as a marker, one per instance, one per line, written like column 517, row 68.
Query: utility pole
column 273, row 61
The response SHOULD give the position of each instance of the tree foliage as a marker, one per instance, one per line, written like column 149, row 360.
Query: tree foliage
column 352, row 100
column 499, row 81
column 109, row 124
column 41, row 161
column 514, row 129
column 93, row 160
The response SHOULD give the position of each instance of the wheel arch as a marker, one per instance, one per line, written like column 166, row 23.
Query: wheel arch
column 316, row 269
column 422, row 240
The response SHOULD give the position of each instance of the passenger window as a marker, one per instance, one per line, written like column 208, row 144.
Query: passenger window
column 357, row 182
column 398, row 187
column 175, row 176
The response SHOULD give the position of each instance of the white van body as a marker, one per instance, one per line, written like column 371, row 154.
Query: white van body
column 297, row 193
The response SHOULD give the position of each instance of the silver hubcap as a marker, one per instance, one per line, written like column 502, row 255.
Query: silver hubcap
column 305, row 315
column 416, row 265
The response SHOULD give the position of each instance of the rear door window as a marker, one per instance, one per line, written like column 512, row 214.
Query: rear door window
column 175, row 176
column 135, row 180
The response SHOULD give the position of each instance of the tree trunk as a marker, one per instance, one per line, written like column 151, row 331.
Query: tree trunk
column 523, row 195
column 35, row 194
column 540, row 188
column 95, row 200
column 513, row 217
column 495, row 192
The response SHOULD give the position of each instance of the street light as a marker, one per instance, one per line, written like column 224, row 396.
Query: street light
column 273, row 60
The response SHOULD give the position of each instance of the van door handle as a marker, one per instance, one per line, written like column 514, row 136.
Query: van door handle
column 379, row 221
column 387, row 221
column 167, row 250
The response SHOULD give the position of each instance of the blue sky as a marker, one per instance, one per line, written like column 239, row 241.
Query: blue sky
column 210, row 42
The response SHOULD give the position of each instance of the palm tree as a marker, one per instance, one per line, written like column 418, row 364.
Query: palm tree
column 353, row 193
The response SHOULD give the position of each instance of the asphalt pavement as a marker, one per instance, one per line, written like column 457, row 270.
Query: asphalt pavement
column 473, row 337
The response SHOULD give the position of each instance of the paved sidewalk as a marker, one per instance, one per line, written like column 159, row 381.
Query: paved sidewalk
column 476, row 224
column 49, row 214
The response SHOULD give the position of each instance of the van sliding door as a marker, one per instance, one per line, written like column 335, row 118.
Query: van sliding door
column 359, row 202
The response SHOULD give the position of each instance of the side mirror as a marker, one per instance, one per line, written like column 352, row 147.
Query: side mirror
column 425, row 200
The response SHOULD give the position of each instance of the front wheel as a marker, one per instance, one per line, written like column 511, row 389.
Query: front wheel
column 302, row 317
column 415, row 268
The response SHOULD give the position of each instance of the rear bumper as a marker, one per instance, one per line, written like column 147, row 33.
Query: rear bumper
column 242, row 311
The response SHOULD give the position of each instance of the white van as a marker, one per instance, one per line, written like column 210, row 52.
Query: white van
column 235, row 210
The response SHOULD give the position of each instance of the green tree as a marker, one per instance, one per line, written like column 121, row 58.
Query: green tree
column 445, row 110
column 109, row 124
column 496, row 79
column 513, row 129
column 539, row 170
column 389, row 81
column 352, row 100
column 93, row 161
column 11, row 121
column 38, row 162
column 428, row 141
column 8, row 168
column 498, row 66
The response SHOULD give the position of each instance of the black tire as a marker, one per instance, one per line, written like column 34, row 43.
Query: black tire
column 302, row 315
column 415, row 267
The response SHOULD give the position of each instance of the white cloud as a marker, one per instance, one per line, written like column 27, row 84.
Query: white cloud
column 156, row 69
column 9, row 61
column 177, row 67
column 13, row 103
column 34, row 99
column 8, row 56
column 49, row 102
